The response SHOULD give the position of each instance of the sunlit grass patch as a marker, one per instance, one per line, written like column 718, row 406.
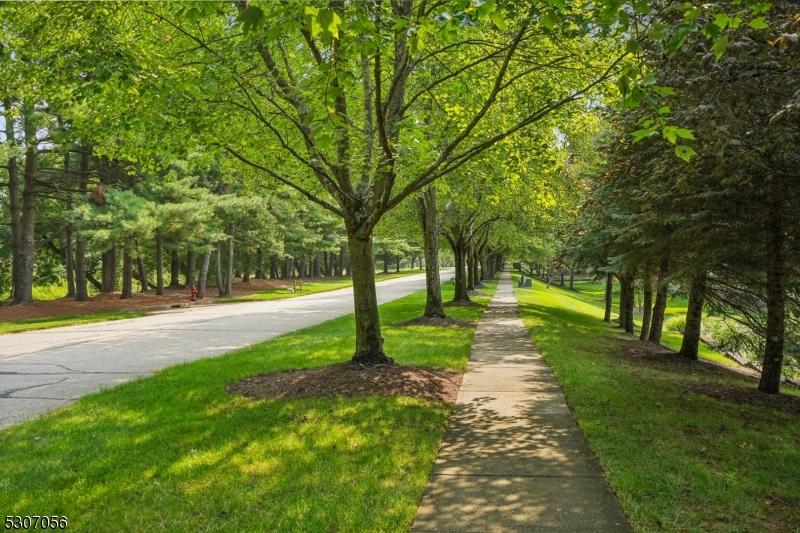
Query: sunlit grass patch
column 175, row 452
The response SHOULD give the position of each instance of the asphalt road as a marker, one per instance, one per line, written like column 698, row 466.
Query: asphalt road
column 43, row 370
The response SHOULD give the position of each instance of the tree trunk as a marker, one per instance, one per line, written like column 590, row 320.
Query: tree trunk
column 460, row 253
column 694, row 317
column 369, row 342
column 776, row 304
column 246, row 268
column 69, row 265
column 397, row 267
column 220, row 280
column 175, row 271
column 81, row 288
column 469, row 256
column 630, row 296
column 142, row 274
column 260, row 264
column 561, row 271
column 315, row 271
column 159, row 267
column 273, row 266
column 648, row 306
column 191, row 259
column 609, row 296
column 201, row 289
column 127, row 273
column 23, row 292
column 13, row 197
column 109, row 270
column 229, row 279
column 571, row 280
column 428, row 213
column 657, row 322
column 623, row 297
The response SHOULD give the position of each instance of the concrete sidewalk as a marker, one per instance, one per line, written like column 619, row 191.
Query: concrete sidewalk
column 513, row 458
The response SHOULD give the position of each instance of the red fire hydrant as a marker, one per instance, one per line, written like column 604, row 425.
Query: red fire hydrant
column 194, row 293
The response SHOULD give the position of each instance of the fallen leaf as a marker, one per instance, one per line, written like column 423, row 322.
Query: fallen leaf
column 743, row 445
column 769, row 501
column 659, row 404
column 40, row 438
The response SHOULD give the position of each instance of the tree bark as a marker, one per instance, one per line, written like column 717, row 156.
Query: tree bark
column 127, row 273
column 246, row 268
column 623, row 289
column 191, row 259
column 609, row 296
column 657, row 322
column 456, row 240
column 229, row 279
column 260, row 264
column 175, row 270
column 694, row 317
column 469, row 256
column 428, row 215
column 142, row 274
column 159, row 266
column 571, row 280
column 220, row 280
column 81, row 288
column 630, row 296
column 201, row 289
column 770, row 381
column 648, row 306
column 13, row 197
column 69, row 264
column 109, row 268
column 369, row 342
column 23, row 292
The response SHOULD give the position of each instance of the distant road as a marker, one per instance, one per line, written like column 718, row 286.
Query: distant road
column 43, row 370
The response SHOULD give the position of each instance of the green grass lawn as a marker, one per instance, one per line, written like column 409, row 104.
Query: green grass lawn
column 174, row 452
column 31, row 324
column 312, row 287
column 677, row 459
column 593, row 293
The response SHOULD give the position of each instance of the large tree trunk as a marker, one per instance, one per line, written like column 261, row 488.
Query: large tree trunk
column 427, row 212
column 159, row 267
column 623, row 289
column 630, row 300
column 13, row 197
column 369, row 342
column 109, row 274
column 23, row 292
column 229, row 279
column 127, row 273
column 260, row 264
column 694, row 317
column 609, row 297
column 81, row 288
column 191, row 259
column 776, row 304
column 648, row 306
column 142, row 274
column 460, row 252
column 657, row 322
column 175, row 271
column 69, row 264
column 220, row 280
column 201, row 289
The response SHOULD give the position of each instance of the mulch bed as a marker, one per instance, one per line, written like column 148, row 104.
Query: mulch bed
column 707, row 372
column 446, row 322
column 350, row 380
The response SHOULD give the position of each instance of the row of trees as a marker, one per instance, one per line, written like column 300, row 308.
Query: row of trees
column 726, row 226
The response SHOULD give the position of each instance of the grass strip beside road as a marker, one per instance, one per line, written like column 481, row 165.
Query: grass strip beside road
column 32, row 324
column 175, row 452
column 312, row 286
column 677, row 459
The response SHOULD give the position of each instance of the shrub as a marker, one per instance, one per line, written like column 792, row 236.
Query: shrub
column 676, row 323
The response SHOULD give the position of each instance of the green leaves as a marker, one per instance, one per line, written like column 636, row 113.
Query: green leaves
column 672, row 133
column 720, row 45
column 759, row 23
column 251, row 18
column 684, row 152
column 549, row 19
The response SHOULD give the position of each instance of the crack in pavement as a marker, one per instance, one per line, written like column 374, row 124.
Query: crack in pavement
column 7, row 394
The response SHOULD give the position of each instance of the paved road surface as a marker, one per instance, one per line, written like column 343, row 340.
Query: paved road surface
column 43, row 370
